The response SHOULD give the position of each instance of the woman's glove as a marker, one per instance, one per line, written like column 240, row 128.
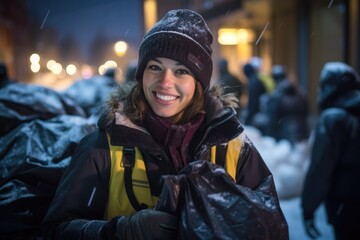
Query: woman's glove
column 147, row 224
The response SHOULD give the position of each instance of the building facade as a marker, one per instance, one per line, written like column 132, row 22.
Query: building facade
column 302, row 35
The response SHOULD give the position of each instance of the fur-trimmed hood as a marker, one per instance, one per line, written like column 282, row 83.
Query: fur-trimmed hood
column 216, row 104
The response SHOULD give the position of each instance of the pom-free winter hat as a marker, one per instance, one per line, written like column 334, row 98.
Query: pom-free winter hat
column 181, row 35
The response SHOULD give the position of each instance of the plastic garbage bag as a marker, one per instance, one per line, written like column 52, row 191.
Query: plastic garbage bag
column 91, row 93
column 211, row 206
column 33, row 158
column 21, row 103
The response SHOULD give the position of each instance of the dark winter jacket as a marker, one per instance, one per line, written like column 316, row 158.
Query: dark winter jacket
column 255, row 90
column 78, row 209
column 334, row 173
column 287, row 110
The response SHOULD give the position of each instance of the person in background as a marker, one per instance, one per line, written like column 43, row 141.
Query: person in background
column 266, row 79
column 167, row 118
column 287, row 109
column 130, row 71
column 333, row 177
column 4, row 78
column 110, row 73
column 255, row 90
column 230, row 83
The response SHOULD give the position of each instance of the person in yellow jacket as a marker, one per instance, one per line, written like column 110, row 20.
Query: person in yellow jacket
column 156, row 125
column 265, row 79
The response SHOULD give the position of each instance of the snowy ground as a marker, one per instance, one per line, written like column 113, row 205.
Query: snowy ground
column 289, row 165
column 292, row 211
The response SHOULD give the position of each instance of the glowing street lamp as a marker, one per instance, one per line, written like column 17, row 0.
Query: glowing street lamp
column 57, row 68
column 71, row 69
column 234, row 36
column 35, row 62
column 34, row 58
column 120, row 48
column 35, row 67
column 50, row 64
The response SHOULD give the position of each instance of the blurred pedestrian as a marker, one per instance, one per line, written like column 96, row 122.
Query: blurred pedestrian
column 287, row 109
column 168, row 119
column 268, row 82
column 333, row 177
column 111, row 73
column 255, row 90
column 4, row 78
column 230, row 83
column 130, row 72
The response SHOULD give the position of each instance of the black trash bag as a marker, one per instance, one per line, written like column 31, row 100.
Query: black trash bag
column 33, row 158
column 21, row 103
column 211, row 205
column 91, row 93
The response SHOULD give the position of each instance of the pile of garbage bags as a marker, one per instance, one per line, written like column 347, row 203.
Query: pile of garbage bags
column 39, row 130
column 91, row 93
column 20, row 103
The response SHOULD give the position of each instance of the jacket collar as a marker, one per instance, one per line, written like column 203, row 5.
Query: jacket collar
column 220, row 125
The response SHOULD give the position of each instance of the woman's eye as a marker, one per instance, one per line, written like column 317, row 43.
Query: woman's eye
column 154, row 67
column 183, row 71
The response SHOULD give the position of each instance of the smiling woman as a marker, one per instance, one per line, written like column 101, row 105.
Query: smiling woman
column 166, row 119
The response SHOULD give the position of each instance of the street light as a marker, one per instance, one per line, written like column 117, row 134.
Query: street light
column 35, row 62
column 34, row 58
column 234, row 36
column 120, row 48
column 35, row 67
column 71, row 69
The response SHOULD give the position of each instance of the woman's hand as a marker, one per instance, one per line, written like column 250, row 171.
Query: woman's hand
column 147, row 224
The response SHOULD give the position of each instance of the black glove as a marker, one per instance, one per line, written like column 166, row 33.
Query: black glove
column 310, row 228
column 147, row 224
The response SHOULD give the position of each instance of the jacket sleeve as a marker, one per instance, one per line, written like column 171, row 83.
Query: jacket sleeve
column 251, row 168
column 77, row 209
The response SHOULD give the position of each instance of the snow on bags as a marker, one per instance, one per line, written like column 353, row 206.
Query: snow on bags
column 211, row 205
column 33, row 158
column 90, row 94
column 20, row 103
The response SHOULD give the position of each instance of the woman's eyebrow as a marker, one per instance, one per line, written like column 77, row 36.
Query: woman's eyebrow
column 156, row 60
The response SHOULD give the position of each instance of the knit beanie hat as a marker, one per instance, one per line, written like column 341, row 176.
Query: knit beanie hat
column 181, row 35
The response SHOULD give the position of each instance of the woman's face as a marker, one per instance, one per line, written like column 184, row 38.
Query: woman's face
column 168, row 86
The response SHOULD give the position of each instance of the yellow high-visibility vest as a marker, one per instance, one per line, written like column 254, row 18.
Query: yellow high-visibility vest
column 118, row 202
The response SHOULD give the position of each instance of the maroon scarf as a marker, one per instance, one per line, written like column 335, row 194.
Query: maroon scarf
column 175, row 137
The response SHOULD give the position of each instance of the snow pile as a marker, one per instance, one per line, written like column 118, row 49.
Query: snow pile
column 287, row 163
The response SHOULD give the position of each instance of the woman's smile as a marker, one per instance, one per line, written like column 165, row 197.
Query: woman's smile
column 165, row 97
column 168, row 86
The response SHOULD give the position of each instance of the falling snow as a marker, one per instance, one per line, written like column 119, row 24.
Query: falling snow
column 47, row 14
column 262, row 33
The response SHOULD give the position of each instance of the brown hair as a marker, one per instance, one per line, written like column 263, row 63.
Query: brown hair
column 135, row 105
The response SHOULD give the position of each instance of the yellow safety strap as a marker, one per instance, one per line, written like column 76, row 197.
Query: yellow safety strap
column 232, row 156
column 118, row 202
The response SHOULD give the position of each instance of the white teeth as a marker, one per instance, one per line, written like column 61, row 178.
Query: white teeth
column 165, row 97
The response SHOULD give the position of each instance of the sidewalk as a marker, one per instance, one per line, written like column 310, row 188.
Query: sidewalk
column 292, row 211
